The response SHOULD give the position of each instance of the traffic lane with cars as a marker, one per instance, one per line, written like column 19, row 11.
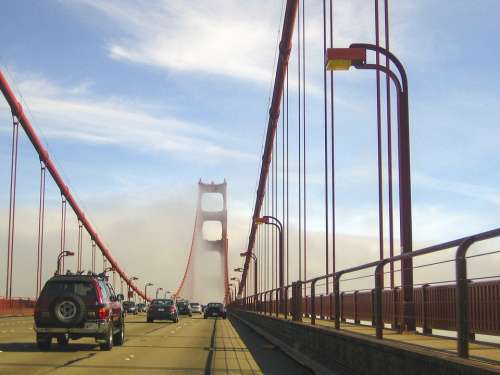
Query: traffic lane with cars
column 192, row 346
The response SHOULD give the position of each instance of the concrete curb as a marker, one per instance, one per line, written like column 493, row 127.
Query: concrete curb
column 297, row 356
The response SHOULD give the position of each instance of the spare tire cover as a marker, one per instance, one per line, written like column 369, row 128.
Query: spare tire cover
column 68, row 310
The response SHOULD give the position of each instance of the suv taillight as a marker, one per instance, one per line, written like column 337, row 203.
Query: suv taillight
column 102, row 313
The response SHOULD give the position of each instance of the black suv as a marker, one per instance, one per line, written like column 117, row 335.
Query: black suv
column 214, row 309
column 72, row 306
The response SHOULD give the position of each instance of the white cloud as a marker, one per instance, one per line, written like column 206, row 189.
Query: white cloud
column 75, row 113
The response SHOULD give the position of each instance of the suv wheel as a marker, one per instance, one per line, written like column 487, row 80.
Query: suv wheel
column 108, row 344
column 43, row 341
column 119, row 337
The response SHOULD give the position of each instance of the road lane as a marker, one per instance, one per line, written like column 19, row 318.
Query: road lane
column 193, row 346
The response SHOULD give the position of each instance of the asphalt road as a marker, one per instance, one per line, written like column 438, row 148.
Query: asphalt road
column 192, row 346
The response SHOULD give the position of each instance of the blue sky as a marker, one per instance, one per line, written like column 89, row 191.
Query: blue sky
column 138, row 100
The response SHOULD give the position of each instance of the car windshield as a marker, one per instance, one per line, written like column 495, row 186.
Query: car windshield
column 194, row 304
column 215, row 305
column 129, row 303
column 82, row 289
column 162, row 302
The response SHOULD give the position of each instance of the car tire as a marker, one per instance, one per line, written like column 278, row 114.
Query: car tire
column 119, row 337
column 108, row 343
column 62, row 340
column 149, row 320
column 43, row 342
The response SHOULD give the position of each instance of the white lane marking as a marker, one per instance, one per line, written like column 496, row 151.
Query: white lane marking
column 172, row 331
column 132, row 356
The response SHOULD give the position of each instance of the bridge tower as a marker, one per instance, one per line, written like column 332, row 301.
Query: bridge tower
column 200, row 246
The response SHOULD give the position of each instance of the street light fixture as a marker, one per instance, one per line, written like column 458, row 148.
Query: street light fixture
column 254, row 257
column 355, row 55
column 271, row 220
column 157, row 290
column 60, row 257
column 239, row 269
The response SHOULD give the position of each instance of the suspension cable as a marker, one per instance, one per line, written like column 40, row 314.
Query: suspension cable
column 304, row 130
column 63, row 231
column 12, row 206
column 41, row 221
column 325, row 104
column 379, row 140
column 389, row 142
column 332, row 143
column 299, row 19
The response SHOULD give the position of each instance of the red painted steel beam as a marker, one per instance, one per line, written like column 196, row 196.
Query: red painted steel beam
column 17, row 110
column 285, row 47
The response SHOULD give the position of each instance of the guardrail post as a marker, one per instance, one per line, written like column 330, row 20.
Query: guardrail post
column 277, row 304
column 426, row 330
column 355, row 298
column 373, row 307
column 379, row 279
column 313, row 304
column 321, row 315
column 462, row 303
column 336, row 291
column 342, row 319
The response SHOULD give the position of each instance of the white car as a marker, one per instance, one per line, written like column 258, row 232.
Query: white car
column 196, row 307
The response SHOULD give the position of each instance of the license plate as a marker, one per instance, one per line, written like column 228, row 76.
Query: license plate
column 161, row 309
column 90, row 325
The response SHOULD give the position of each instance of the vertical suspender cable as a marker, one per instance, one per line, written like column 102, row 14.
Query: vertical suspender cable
column 63, row 230
column 276, row 208
column 332, row 145
column 325, row 104
column 93, row 258
column 79, row 258
column 389, row 143
column 273, row 237
column 379, row 140
column 12, row 206
column 304, row 130
column 41, row 221
column 283, row 115
column 299, row 17
column 287, row 188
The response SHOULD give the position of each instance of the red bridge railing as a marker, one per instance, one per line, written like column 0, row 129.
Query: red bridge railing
column 465, row 305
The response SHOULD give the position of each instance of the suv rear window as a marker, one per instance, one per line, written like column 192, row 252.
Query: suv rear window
column 84, row 290
column 162, row 302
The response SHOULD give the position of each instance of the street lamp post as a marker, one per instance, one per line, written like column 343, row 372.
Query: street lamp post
column 157, row 290
column 167, row 292
column 60, row 257
column 239, row 269
column 254, row 257
column 355, row 55
column 271, row 220
column 239, row 281
column 130, row 280
column 146, row 291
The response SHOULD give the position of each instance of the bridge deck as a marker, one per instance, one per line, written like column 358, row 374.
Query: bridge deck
column 194, row 346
